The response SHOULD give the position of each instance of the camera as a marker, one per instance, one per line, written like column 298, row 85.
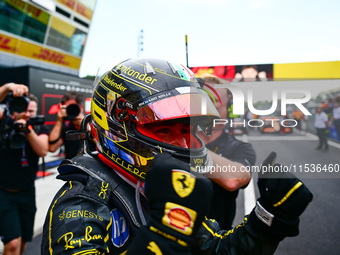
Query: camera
column 72, row 111
column 12, row 135
column 17, row 104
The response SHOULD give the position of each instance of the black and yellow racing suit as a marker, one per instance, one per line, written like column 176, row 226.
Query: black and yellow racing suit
column 95, row 213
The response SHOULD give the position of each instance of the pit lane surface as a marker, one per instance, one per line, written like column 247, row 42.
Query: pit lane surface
column 319, row 225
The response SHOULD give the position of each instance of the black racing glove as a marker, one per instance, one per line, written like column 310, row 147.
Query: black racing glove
column 178, row 202
column 283, row 199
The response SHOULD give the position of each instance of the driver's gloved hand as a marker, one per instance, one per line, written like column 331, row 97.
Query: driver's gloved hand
column 179, row 200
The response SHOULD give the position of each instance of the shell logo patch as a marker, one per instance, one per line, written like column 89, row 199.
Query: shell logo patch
column 179, row 218
column 183, row 182
column 120, row 228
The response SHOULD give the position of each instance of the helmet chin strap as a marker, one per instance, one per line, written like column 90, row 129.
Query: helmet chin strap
column 138, row 203
column 137, row 185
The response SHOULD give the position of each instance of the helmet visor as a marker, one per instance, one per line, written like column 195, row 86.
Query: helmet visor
column 196, row 106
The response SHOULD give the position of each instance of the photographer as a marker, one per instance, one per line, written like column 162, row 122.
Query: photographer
column 70, row 116
column 17, row 90
column 21, row 146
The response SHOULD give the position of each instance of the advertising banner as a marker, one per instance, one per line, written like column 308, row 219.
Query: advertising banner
column 26, row 49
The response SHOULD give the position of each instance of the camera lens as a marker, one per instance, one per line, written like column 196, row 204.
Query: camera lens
column 17, row 140
column 72, row 111
column 18, row 104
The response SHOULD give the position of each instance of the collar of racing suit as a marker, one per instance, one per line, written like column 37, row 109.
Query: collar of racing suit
column 122, row 194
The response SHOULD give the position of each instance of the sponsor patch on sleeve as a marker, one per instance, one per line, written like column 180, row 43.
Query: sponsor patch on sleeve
column 120, row 228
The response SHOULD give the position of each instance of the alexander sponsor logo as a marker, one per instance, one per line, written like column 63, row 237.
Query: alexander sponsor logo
column 114, row 84
column 142, row 77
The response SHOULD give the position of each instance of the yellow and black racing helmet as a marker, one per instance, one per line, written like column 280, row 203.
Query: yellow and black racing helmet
column 137, row 93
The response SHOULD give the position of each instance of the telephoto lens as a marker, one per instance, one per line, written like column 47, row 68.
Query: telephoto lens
column 72, row 111
column 18, row 104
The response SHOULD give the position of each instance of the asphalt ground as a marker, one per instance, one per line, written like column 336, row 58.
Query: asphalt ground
column 319, row 226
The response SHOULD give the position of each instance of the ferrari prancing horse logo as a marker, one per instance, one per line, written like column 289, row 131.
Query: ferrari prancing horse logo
column 183, row 182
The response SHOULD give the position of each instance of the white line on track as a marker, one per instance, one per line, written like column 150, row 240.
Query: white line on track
column 249, row 191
